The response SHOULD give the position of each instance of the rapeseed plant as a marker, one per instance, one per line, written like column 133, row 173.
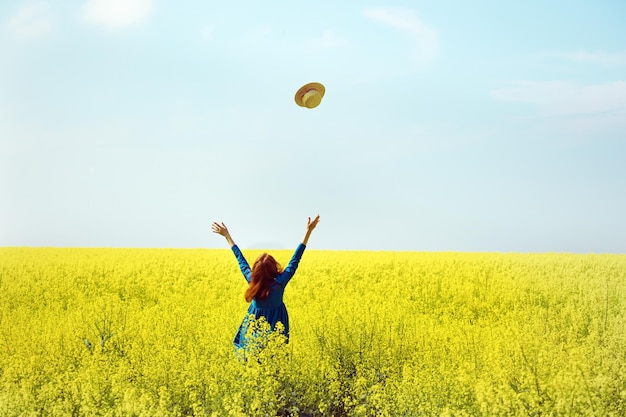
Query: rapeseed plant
column 148, row 332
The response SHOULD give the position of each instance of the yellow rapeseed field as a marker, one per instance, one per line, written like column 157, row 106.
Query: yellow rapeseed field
column 148, row 332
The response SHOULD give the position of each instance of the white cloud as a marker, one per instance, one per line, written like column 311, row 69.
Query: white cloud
column 258, row 35
column 587, row 108
column 600, row 58
column 116, row 13
column 424, row 38
column 328, row 40
column 32, row 20
column 559, row 98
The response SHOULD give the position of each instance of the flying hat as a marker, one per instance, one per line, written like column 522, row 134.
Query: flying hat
column 310, row 95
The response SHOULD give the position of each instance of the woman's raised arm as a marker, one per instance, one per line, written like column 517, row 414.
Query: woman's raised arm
column 310, row 225
column 221, row 229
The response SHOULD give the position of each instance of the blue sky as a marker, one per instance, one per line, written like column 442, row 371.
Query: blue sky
column 446, row 126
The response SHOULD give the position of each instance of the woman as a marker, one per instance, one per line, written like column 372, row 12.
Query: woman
column 266, row 282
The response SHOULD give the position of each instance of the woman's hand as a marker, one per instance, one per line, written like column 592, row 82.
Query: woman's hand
column 221, row 229
column 310, row 225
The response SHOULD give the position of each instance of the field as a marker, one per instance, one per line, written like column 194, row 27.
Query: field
column 148, row 332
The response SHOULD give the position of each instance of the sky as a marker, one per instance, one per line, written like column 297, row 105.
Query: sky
column 446, row 126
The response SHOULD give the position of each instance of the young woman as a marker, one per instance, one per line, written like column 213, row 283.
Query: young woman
column 266, row 282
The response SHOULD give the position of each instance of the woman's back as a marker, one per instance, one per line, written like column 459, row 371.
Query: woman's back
column 275, row 298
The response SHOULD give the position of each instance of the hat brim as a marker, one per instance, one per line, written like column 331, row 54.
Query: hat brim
column 308, row 87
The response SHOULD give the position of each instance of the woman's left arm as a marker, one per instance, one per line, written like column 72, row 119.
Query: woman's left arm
column 222, row 230
column 243, row 264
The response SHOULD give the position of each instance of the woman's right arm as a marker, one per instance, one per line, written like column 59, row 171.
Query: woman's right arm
column 291, row 267
column 310, row 225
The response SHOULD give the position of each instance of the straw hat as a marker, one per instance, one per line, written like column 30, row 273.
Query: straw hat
column 310, row 95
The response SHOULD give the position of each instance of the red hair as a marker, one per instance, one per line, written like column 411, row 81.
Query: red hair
column 264, row 272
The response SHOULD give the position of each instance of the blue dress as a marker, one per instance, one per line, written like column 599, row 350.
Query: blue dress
column 272, row 308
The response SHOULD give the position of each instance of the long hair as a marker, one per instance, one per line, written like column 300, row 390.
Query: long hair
column 264, row 272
